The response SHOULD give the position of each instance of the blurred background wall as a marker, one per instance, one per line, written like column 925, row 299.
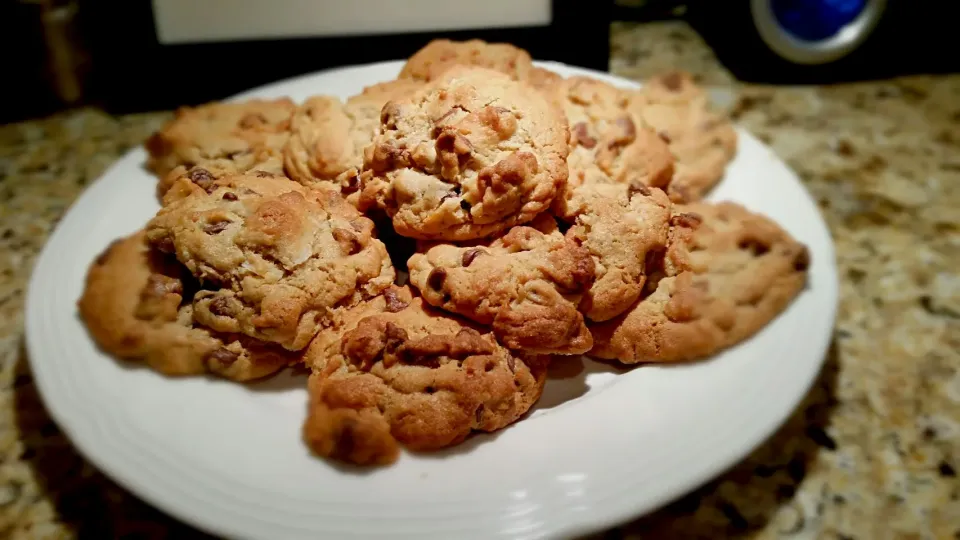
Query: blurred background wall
column 135, row 55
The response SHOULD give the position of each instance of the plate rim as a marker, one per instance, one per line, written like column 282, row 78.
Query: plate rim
column 602, row 516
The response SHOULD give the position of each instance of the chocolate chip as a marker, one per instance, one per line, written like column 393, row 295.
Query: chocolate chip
column 348, row 241
column 582, row 136
column 638, row 188
column 221, row 306
column 202, row 178
column 350, row 184
column 797, row 469
column 388, row 115
column 673, row 81
column 394, row 338
column 159, row 285
column 253, row 120
column 818, row 435
column 733, row 515
column 229, row 196
column 216, row 227
column 845, row 148
column 802, row 261
column 464, row 205
column 469, row 255
column 429, row 390
column 664, row 136
column 756, row 247
column 946, row 470
column 224, row 356
column 165, row 244
column 394, row 303
column 686, row 219
column 436, row 278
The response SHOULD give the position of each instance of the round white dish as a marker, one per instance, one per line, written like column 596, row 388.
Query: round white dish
column 602, row 446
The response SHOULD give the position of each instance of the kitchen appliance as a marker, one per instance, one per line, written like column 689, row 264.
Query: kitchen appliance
column 166, row 53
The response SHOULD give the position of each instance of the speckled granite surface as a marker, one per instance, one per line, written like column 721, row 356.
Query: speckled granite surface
column 871, row 453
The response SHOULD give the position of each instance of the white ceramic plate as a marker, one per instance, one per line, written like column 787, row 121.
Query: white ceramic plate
column 601, row 447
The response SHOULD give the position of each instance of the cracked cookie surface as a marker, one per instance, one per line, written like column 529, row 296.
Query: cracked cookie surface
column 526, row 285
column 136, row 305
column 726, row 274
column 328, row 137
column 227, row 137
column 702, row 141
column 397, row 372
column 468, row 156
column 284, row 257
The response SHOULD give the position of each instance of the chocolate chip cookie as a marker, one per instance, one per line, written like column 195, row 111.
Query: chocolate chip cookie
column 727, row 273
column 233, row 137
column 608, row 142
column 543, row 79
column 470, row 155
column 329, row 137
column 436, row 57
column 702, row 141
column 526, row 285
column 395, row 371
column 620, row 230
column 280, row 257
column 136, row 305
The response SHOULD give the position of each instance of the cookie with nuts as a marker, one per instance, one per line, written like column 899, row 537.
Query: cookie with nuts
column 468, row 156
column 328, row 137
column 436, row 57
column 396, row 372
column 525, row 285
column 228, row 137
column 702, row 140
column 726, row 274
column 136, row 305
column 279, row 258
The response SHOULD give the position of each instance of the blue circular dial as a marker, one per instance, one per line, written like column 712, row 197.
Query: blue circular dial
column 815, row 20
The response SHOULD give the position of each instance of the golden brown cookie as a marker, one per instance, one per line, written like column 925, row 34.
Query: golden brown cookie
column 183, row 181
column 608, row 143
column 470, row 155
column 282, row 256
column 329, row 137
column 544, row 79
column 136, row 305
column 727, row 273
column 526, row 285
column 702, row 141
column 395, row 371
column 232, row 137
column 436, row 57
column 620, row 231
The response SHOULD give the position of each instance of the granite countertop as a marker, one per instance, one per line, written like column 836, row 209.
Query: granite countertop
column 871, row 453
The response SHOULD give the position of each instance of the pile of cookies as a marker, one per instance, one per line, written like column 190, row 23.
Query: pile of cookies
column 429, row 246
